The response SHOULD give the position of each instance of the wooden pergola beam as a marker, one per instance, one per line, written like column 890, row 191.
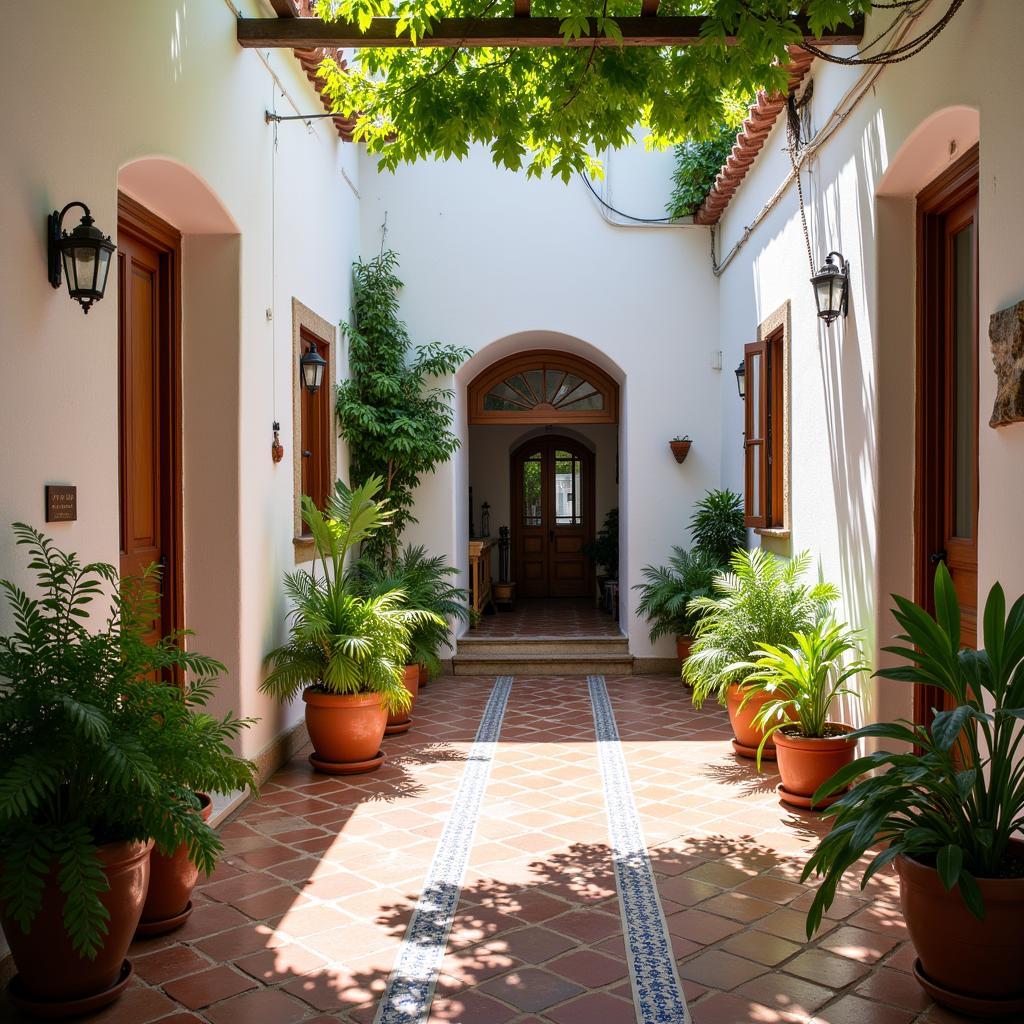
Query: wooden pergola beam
column 309, row 33
column 522, row 8
column 649, row 8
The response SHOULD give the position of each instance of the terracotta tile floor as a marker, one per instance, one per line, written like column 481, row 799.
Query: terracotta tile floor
column 305, row 914
column 558, row 616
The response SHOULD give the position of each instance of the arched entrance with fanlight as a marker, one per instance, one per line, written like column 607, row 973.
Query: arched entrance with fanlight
column 543, row 458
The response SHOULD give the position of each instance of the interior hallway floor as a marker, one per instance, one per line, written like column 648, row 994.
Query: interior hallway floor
column 567, row 617
column 497, row 814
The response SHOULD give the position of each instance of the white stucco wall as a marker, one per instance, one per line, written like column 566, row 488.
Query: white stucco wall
column 853, row 384
column 499, row 263
column 117, row 82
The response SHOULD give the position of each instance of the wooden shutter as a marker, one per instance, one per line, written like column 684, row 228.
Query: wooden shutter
column 316, row 424
column 755, row 444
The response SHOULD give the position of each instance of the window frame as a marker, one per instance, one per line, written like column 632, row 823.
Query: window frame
column 309, row 328
column 766, row 442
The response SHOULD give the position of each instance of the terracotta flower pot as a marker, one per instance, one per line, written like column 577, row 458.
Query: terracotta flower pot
column 970, row 965
column 748, row 736
column 683, row 645
column 345, row 729
column 680, row 449
column 400, row 721
column 50, row 972
column 171, row 881
column 805, row 763
column 424, row 675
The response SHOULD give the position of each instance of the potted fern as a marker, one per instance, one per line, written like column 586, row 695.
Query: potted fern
column 761, row 599
column 100, row 758
column 667, row 591
column 346, row 652
column 950, row 816
column 798, row 685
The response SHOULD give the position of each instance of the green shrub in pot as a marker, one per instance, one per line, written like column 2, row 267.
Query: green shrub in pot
column 425, row 581
column 98, row 750
column 668, row 590
column 950, row 816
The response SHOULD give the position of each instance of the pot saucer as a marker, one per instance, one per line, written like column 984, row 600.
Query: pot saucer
column 751, row 752
column 60, row 1010
column 804, row 802
column 974, row 1006
column 398, row 728
column 148, row 929
column 347, row 767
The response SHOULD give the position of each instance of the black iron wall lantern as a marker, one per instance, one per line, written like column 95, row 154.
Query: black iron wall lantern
column 312, row 367
column 741, row 380
column 831, row 288
column 85, row 255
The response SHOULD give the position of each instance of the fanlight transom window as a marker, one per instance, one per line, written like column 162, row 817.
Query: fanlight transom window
column 558, row 389
column 530, row 388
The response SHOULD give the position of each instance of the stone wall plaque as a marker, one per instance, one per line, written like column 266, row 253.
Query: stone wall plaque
column 1006, row 332
column 61, row 503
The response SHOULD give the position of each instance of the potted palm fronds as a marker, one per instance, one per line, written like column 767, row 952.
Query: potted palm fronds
column 667, row 591
column 425, row 580
column 346, row 652
column 799, row 685
column 949, row 817
column 99, row 761
column 762, row 599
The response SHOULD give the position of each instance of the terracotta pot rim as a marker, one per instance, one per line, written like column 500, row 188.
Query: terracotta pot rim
column 124, row 851
column 812, row 743
column 995, row 887
column 340, row 700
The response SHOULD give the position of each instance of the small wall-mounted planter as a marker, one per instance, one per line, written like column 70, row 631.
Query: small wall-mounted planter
column 680, row 449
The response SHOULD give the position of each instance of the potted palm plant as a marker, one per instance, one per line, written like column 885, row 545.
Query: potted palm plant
column 667, row 591
column 426, row 582
column 762, row 599
column 346, row 652
column 716, row 525
column 799, row 686
column 100, row 757
column 950, row 816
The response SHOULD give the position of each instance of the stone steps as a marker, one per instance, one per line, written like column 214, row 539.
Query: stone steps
column 543, row 656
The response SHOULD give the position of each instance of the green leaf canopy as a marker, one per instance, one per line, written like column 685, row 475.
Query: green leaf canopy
column 550, row 109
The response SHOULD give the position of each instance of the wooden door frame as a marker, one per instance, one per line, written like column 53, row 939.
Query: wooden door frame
column 515, row 496
column 953, row 187
column 136, row 220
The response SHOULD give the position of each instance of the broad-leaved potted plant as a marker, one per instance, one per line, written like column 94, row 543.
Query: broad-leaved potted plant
column 100, row 756
column 346, row 653
column 950, row 816
column 762, row 599
column 799, row 684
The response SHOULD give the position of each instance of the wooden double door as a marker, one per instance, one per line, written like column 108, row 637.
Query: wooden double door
column 552, row 517
column 948, row 413
column 149, row 421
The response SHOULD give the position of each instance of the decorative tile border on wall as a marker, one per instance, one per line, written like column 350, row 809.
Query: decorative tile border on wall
column 657, row 991
column 410, row 988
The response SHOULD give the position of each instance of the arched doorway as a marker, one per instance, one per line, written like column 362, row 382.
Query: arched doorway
column 552, row 515
column 544, row 456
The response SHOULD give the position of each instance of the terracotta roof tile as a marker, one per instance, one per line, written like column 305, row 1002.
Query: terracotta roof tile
column 310, row 61
column 764, row 112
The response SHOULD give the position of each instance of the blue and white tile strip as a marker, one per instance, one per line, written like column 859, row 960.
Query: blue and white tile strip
column 657, row 992
column 410, row 989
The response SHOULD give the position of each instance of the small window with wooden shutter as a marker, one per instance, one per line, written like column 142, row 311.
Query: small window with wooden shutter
column 314, row 438
column 765, row 432
column 317, row 430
